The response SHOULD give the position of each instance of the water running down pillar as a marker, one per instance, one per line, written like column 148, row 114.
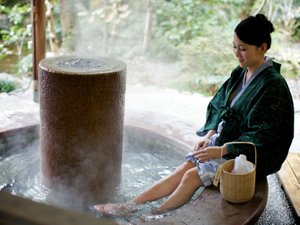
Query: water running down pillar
column 82, row 117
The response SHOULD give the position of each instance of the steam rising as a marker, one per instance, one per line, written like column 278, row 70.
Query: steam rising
column 96, row 37
column 20, row 173
column 102, row 30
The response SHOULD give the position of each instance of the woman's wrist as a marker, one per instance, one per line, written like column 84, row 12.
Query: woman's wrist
column 209, row 134
column 224, row 150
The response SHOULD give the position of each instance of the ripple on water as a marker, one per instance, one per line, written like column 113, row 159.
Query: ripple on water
column 20, row 174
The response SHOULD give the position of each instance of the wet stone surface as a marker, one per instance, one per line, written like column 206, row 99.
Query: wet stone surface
column 81, row 66
column 278, row 209
column 84, row 64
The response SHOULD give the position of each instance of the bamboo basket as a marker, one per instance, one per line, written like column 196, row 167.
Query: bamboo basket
column 236, row 188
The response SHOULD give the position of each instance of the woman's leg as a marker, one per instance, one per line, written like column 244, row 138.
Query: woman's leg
column 165, row 186
column 161, row 189
column 184, row 191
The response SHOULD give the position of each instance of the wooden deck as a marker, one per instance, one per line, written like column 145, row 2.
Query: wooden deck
column 289, row 176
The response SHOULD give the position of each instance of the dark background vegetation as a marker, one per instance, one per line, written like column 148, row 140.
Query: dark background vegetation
column 183, row 44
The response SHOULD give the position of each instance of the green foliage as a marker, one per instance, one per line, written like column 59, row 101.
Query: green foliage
column 11, row 3
column 4, row 51
column 183, row 20
column 15, row 35
column 202, row 34
column 162, row 49
column 195, row 34
column 180, row 21
column 7, row 86
column 25, row 65
column 206, row 62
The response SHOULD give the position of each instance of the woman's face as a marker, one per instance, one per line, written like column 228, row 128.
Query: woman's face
column 249, row 56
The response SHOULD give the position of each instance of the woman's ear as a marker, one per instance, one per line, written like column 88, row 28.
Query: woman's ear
column 263, row 47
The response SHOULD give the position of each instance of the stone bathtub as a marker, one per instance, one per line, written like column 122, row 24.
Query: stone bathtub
column 206, row 207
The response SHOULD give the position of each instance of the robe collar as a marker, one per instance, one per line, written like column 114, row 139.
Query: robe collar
column 250, row 86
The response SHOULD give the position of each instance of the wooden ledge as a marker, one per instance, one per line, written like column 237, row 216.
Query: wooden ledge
column 211, row 209
column 16, row 210
column 289, row 176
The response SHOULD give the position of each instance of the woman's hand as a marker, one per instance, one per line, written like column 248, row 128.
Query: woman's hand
column 205, row 154
column 203, row 143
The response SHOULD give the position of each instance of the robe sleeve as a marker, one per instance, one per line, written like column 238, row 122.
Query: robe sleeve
column 213, row 113
column 217, row 105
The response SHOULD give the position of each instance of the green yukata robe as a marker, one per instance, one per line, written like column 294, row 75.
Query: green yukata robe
column 263, row 115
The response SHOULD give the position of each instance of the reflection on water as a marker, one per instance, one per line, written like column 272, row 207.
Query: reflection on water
column 142, row 166
column 20, row 175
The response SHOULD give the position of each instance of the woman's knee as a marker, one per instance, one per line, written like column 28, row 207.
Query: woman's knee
column 183, row 168
column 178, row 174
column 191, row 177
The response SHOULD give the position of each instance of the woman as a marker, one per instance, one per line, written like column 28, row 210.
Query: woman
column 253, row 105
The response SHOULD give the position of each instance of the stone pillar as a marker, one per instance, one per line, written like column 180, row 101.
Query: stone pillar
column 82, row 117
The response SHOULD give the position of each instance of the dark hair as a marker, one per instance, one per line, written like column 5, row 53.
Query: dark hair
column 255, row 30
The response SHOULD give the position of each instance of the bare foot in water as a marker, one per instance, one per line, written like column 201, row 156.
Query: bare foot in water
column 117, row 209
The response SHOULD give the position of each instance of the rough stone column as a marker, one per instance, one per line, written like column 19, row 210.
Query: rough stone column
column 81, row 133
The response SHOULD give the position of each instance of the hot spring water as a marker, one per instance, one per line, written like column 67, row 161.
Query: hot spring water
column 82, row 156
column 146, row 159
